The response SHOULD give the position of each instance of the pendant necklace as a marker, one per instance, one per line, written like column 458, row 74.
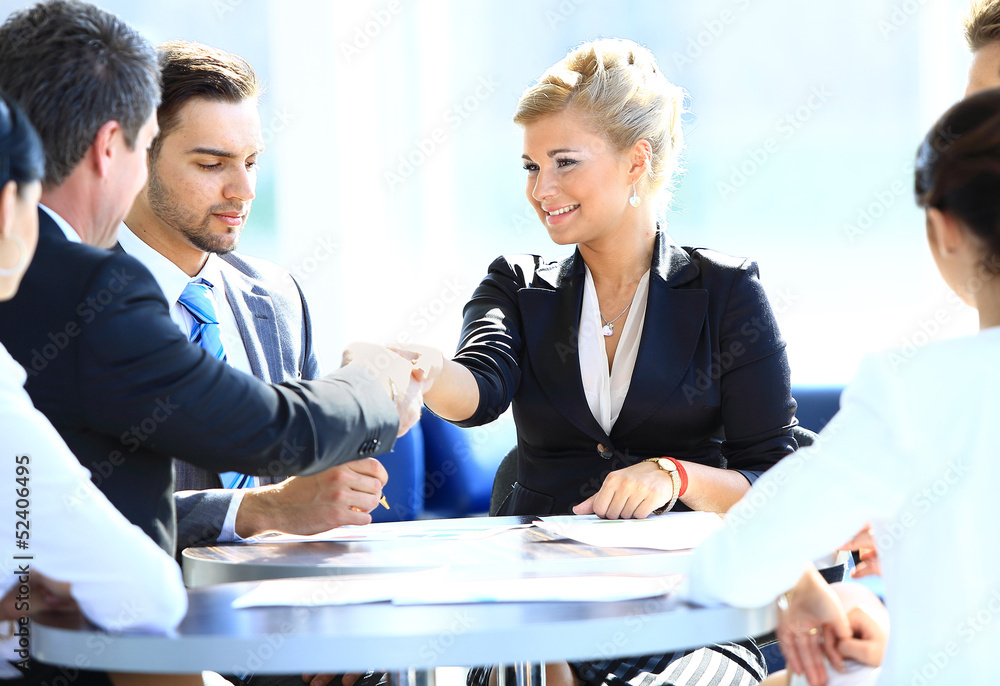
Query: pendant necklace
column 609, row 327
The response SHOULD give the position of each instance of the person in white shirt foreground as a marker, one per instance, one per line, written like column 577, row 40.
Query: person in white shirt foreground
column 912, row 451
column 66, row 544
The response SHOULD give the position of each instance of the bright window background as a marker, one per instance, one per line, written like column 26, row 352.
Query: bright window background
column 392, row 176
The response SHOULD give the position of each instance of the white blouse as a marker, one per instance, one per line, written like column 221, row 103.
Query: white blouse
column 606, row 391
column 913, row 450
column 118, row 576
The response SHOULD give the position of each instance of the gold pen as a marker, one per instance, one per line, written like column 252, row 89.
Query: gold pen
column 384, row 503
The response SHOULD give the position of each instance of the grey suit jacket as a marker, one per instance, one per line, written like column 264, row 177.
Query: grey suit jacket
column 274, row 323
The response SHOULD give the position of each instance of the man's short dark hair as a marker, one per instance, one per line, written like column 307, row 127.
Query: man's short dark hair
column 72, row 67
column 982, row 26
column 193, row 70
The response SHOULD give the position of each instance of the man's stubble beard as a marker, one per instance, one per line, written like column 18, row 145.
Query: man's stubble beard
column 172, row 213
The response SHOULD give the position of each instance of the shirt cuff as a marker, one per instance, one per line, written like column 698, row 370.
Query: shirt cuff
column 228, row 533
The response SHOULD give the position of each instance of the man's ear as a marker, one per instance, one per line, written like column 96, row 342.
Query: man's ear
column 7, row 203
column 104, row 147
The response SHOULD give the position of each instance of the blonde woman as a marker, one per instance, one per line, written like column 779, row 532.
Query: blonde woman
column 631, row 349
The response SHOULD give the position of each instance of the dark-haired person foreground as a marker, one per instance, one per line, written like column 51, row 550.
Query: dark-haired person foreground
column 631, row 349
column 914, row 450
column 106, row 364
column 67, row 546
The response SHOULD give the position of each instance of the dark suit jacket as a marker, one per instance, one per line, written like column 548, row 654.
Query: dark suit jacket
column 122, row 385
column 711, row 381
column 276, row 330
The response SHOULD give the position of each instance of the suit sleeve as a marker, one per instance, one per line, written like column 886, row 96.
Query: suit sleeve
column 491, row 344
column 200, row 516
column 757, row 406
column 143, row 382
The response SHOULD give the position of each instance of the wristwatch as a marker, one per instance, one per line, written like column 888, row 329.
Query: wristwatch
column 675, row 481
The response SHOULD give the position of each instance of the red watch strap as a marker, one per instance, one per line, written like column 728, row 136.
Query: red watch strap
column 682, row 473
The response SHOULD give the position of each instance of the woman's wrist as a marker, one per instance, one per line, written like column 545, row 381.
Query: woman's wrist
column 682, row 473
column 670, row 471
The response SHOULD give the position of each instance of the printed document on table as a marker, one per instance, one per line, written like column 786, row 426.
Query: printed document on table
column 670, row 531
column 429, row 530
column 436, row 587
column 595, row 588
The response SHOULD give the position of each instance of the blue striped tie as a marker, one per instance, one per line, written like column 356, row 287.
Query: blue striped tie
column 199, row 300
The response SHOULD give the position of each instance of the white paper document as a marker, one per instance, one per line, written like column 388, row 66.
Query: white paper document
column 541, row 589
column 429, row 530
column 435, row 587
column 670, row 531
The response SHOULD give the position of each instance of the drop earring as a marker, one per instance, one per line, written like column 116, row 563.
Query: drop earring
column 635, row 200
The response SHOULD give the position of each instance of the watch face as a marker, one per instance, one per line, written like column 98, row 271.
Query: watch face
column 666, row 465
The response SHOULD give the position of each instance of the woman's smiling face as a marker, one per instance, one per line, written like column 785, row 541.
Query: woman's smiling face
column 577, row 183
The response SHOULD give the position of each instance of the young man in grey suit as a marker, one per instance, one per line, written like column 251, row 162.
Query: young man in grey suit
column 184, row 226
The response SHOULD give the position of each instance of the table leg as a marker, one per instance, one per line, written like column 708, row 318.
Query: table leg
column 413, row 677
column 529, row 674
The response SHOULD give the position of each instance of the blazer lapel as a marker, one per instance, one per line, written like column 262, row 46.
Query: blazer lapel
column 255, row 318
column 675, row 319
column 551, row 320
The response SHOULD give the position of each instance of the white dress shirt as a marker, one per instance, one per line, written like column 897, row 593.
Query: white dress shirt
column 118, row 576
column 606, row 391
column 913, row 450
column 172, row 281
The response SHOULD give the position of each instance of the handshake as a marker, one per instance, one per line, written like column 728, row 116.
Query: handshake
column 405, row 375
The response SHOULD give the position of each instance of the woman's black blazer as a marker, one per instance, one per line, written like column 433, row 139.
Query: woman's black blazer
column 711, row 381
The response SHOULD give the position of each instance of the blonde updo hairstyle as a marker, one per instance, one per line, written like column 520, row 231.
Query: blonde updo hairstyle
column 617, row 87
